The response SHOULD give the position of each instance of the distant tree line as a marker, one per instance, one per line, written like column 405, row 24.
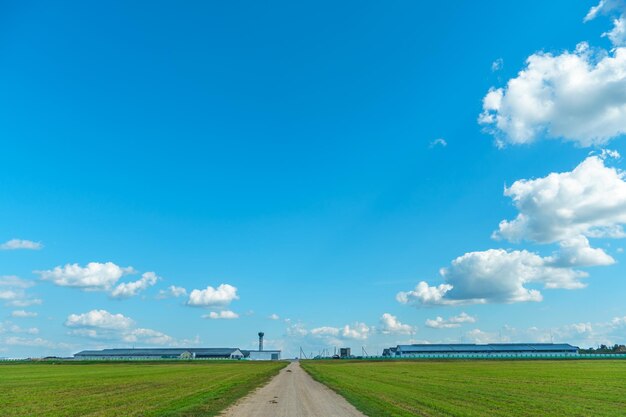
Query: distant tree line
column 605, row 349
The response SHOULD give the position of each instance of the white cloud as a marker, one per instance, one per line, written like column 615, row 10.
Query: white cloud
column 358, row 331
column 224, row 314
column 390, row 324
column 438, row 142
column 494, row 275
column 334, row 335
column 578, row 96
column 100, row 319
column 213, row 297
column 568, row 209
column 102, row 325
column 425, row 294
column 98, row 276
column 604, row 7
column 16, row 282
column 589, row 201
column 172, row 292
column 25, row 302
column 479, row 336
column 148, row 336
column 14, row 244
column 296, row 329
column 23, row 314
column 94, row 277
column 8, row 327
column 617, row 35
column 452, row 322
column 12, row 290
column 31, row 342
column 9, row 294
column 130, row 289
column 325, row 331
column 274, row 316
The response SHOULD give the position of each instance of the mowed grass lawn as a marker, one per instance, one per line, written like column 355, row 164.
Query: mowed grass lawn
column 128, row 389
column 478, row 388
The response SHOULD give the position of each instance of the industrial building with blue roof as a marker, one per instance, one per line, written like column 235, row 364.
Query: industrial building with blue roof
column 482, row 350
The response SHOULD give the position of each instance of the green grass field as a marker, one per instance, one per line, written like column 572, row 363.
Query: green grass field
column 478, row 388
column 128, row 389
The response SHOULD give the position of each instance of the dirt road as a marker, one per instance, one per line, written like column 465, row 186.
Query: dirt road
column 293, row 393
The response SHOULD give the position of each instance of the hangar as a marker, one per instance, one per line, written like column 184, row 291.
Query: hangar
column 505, row 350
column 181, row 353
column 158, row 353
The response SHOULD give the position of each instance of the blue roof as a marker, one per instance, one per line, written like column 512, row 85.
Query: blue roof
column 158, row 352
column 488, row 348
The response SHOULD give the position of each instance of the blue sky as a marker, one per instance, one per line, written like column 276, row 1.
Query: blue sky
column 319, row 160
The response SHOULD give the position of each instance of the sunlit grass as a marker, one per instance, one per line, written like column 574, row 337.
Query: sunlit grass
column 478, row 388
column 128, row 389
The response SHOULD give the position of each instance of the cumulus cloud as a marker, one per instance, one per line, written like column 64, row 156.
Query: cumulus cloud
column 356, row 331
column 94, row 277
column 148, row 336
column 103, row 325
column 274, row 316
column 24, row 302
column 13, row 292
column 296, row 329
column 213, row 297
column 480, row 337
column 100, row 319
column 494, row 275
column 566, row 209
column 578, row 96
column 425, row 294
column 8, row 294
column 32, row 342
column 584, row 334
column 8, row 327
column 589, row 201
column 14, row 244
column 23, row 314
column 325, row 331
column 224, row 314
column 16, row 282
column 390, row 324
column 452, row 322
column 172, row 292
column 130, row 289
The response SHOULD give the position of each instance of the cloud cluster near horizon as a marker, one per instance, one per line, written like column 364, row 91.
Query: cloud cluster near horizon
column 565, row 208
column 115, row 327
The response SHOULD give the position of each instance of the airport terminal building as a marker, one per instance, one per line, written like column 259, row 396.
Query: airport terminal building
column 491, row 350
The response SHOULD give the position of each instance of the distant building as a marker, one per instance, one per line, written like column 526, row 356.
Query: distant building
column 158, row 353
column 344, row 353
column 484, row 350
column 262, row 355
column 181, row 353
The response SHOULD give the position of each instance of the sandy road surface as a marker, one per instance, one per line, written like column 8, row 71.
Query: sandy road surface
column 293, row 393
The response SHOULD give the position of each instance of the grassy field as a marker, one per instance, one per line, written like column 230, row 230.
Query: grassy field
column 478, row 388
column 128, row 389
